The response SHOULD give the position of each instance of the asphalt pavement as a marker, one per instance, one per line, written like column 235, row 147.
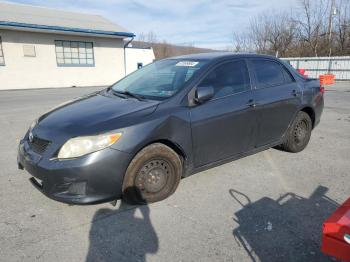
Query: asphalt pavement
column 265, row 207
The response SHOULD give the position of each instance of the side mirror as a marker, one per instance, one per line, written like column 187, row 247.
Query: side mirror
column 203, row 94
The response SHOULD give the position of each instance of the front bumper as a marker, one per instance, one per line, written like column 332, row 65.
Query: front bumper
column 91, row 179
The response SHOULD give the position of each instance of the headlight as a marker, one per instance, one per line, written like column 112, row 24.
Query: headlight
column 80, row 146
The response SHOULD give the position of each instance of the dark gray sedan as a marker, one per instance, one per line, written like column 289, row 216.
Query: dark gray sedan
column 168, row 120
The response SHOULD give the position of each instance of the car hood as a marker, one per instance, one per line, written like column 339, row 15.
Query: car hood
column 94, row 113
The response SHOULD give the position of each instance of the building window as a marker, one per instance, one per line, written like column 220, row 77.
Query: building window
column 29, row 51
column 2, row 59
column 74, row 53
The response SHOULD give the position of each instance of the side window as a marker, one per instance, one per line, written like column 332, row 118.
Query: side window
column 2, row 60
column 228, row 78
column 268, row 73
column 287, row 76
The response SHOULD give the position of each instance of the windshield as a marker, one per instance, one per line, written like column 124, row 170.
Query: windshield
column 159, row 80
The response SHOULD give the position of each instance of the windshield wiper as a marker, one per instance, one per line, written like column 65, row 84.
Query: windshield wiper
column 116, row 94
column 127, row 93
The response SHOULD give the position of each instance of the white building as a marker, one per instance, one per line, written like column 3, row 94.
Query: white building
column 43, row 48
column 133, row 54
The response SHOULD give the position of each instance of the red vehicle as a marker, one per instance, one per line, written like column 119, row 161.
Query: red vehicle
column 336, row 233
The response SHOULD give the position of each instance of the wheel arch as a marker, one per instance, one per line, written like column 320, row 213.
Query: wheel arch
column 310, row 111
column 174, row 146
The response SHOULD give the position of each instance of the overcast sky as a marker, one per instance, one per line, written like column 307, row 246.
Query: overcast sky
column 204, row 23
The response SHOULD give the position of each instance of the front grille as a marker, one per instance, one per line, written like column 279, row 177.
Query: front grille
column 38, row 145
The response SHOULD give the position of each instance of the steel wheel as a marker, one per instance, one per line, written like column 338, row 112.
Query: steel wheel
column 301, row 132
column 298, row 135
column 152, row 175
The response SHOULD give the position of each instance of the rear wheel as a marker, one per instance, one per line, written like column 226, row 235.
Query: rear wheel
column 152, row 175
column 299, row 133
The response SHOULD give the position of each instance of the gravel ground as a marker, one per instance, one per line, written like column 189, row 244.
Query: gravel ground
column 265, row 207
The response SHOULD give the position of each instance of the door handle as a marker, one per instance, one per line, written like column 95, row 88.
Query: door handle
column 295, row 92
column 252, row 103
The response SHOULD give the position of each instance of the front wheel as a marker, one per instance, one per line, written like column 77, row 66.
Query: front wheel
column 298, row 135
column 152, row 175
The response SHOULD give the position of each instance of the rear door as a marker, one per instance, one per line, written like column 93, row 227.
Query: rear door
column 225, row 125
column 277, row 99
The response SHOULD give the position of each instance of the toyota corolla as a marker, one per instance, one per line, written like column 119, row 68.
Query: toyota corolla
column 137, row 138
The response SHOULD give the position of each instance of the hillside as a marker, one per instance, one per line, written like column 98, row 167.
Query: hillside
column 164, row 50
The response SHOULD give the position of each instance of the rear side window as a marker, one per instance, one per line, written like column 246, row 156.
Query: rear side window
column 291, row 68
column 228, row 78
column 287, row 76
column 268, row 73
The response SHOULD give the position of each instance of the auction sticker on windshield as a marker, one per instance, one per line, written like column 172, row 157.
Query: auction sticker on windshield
column 187, row 63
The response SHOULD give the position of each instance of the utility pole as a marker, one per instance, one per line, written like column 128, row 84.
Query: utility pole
column 332, row 13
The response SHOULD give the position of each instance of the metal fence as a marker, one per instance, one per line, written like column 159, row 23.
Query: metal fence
column 316, row 66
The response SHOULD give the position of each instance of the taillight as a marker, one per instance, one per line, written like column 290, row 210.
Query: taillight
column 322, row 89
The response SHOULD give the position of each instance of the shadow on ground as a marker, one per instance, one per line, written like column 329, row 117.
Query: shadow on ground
column 286, row 229
column 123, row 234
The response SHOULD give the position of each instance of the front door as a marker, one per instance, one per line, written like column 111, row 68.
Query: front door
column 225, row 125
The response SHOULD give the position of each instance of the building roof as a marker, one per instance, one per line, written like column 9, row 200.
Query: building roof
column 140, row 45
column 34, row 18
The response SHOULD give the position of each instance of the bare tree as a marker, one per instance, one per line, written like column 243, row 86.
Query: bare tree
column 141, row 37
column 272, row 33
column 240, row 43
column 312, row 23
column 151, row 37
column 312, row 29
column 342, row 27
column 258, row 35
column 280, row 31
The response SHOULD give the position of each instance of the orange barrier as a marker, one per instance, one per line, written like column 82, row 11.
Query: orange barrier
column 327, row 79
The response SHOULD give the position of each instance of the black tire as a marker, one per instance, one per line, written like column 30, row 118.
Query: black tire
column 298, row 135
column 152, row 175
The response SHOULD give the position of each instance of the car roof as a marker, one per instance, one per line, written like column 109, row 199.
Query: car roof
column 220, row 55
